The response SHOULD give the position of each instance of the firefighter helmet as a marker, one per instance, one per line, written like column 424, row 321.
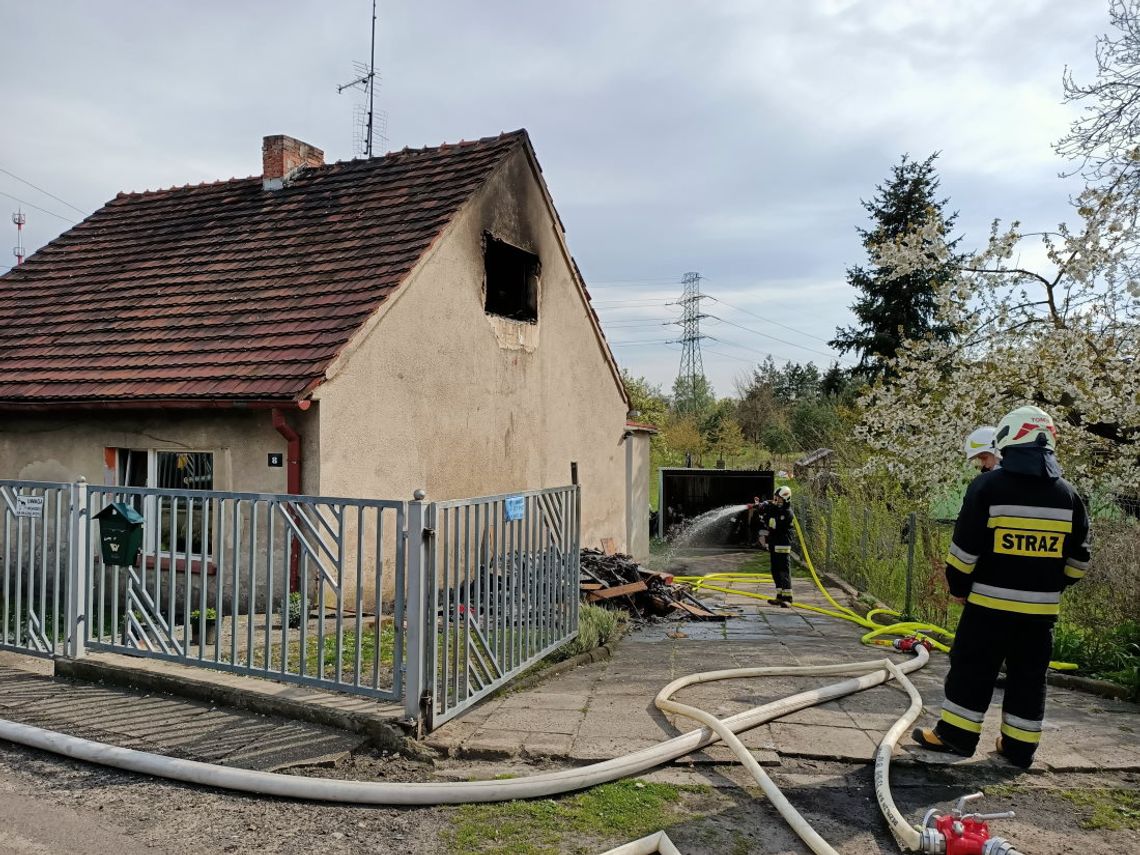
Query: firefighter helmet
column 1026, row 426
column 784, row 493
column 979, row 442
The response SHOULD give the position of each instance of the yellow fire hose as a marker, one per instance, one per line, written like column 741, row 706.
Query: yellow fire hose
column 938, row 637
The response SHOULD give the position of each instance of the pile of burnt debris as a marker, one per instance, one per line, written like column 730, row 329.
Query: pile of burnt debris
column 617, row 581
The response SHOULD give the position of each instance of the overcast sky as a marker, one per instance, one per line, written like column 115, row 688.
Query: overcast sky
column 734, row 139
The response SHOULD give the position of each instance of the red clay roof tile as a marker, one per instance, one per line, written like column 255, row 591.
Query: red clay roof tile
column 226, row 291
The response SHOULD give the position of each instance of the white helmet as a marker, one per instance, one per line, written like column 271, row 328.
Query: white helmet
column 1026, row 426
column 784, row 493
column 979, row 442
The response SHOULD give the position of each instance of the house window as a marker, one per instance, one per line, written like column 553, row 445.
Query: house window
column 511, row 275
column 177, row 525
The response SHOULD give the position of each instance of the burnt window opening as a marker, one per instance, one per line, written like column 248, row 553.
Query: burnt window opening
column 512, row 280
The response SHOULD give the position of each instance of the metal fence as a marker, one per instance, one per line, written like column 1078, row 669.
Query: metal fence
column 301, row 589
column 896, row 556
column 34, row 565
column 432, row 604
column 502, row 592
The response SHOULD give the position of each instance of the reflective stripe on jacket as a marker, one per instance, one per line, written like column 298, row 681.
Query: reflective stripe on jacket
column 1019, row 541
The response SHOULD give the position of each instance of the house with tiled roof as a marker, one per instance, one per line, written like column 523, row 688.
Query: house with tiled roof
column 362, row 328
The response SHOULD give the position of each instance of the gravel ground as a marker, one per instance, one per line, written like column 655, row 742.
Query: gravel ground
column 50, row 804
column 157, row 816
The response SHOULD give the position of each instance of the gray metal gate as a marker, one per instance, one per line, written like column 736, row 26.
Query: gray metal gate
column 34, row 565
column 434, row 604
column 502, row 592
column 301, row 589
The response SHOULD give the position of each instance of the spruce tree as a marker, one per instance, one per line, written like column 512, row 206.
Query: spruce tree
column 892, row 308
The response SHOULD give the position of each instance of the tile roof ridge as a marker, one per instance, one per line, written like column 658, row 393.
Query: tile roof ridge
column 502, row 136
column 157, row 190
column 445, row 146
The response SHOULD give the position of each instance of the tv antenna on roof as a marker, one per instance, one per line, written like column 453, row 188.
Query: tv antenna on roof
column 19, row 219
column 368, row 125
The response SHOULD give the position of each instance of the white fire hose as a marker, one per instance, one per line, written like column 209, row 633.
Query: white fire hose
column 869, row 674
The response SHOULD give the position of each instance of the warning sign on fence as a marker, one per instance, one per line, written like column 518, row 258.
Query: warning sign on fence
column 30, row 506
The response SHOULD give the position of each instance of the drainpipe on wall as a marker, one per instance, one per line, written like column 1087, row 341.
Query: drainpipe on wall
column 292, row 486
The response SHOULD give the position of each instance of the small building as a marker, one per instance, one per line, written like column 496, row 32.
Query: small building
column 359, row 329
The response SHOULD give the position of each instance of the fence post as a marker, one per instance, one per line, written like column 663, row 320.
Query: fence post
column 912, row 532
column 830, row 532
column 863, row 539
column 79, row 562
column 576, row 546
column 417, row 618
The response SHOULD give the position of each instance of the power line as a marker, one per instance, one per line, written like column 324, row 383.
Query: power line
column 642, row 301
column 641, row 343
column 768, row 320
column 42, row 190
column 37, row 207
column 750, row 349
column 776, row 338
column 646, row 280
column 730, row 356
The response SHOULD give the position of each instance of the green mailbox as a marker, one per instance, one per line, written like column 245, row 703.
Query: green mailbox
column 120, row 534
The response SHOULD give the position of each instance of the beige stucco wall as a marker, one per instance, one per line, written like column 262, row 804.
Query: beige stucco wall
column 637, row 486
column 439, row 395
column 64, row 446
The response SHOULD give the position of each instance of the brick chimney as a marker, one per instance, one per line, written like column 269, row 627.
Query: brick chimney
column 282, row 156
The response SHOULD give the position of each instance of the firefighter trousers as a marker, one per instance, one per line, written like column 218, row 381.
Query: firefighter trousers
column 781, row 574
column 986, row 638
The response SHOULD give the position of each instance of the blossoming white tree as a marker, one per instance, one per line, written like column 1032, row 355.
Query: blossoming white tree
column 1067, row 339
column 1064, row 335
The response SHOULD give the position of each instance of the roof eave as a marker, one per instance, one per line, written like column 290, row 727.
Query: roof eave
column 155, row 404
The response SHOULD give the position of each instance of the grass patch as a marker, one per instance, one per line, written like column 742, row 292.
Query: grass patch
column 366, row 642
column 320, row 659
column 741, row 845
column 624, row 810
column 1112, row 809
column 758, row 562
column 1005, row 790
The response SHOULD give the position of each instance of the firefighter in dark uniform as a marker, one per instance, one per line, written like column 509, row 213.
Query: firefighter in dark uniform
column 1021, row 538
column 779, row 520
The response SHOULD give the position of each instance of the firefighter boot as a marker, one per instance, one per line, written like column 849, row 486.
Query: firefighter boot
column 931, row 741
column 1022, row 758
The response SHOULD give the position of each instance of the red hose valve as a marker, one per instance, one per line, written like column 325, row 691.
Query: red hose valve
column 908, row 644
column 963, row 836
column 961, row 833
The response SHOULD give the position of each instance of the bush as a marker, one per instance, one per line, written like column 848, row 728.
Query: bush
column 1108, row 654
